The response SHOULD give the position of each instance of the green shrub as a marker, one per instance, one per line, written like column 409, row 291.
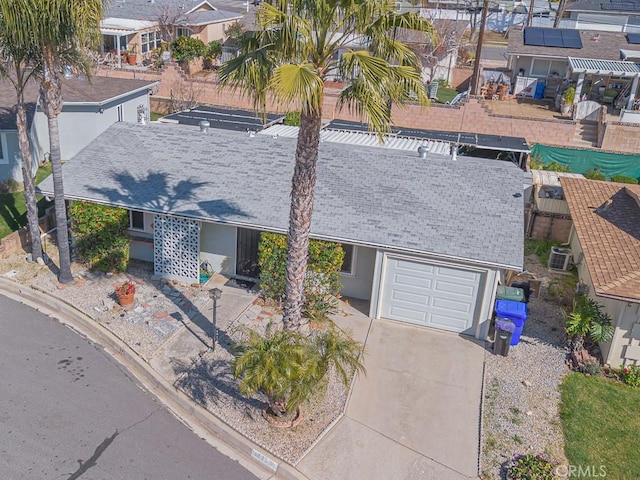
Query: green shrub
column 542, row 248
column 323, row 269
column 553, row 166
column 185, row 49
column 292, row 118
column 531, row 467
column 624, row 179
column 595, row 174
column 630, row 375
column 101, row 235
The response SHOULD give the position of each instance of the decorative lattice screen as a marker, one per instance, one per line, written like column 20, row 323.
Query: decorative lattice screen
column 176, row 245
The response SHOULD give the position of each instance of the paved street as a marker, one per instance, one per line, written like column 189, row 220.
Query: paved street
column 69, row 412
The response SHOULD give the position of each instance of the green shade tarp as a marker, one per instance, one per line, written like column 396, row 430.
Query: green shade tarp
column 579, row 161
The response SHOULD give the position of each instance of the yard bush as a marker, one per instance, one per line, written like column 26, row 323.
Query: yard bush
column 595, row 174
column 630, row 375
column 292, row 119
column 323, row 269
column 624, row 179
column 531, row 467
column 185, row 49
column 101, row 236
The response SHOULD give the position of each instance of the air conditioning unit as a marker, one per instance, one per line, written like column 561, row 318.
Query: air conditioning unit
column 560, row 258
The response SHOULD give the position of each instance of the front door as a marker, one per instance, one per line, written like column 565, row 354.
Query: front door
column 247, row 253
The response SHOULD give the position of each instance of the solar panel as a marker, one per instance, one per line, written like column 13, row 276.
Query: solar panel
column 553, row 38
column 633, row 38
column 533, row 36
column 571, row 38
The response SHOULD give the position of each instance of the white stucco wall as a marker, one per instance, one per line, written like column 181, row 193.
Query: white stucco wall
column 359, row 284
column 218, row 247
column 10, row 167
column 81, row 124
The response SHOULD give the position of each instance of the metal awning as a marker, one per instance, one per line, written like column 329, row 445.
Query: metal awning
column 617, row 68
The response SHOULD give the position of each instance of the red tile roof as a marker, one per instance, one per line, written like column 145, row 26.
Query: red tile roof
column 606, row 217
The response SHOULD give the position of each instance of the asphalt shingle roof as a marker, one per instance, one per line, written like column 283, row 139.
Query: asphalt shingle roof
column 606, row 47
column 74, row 90
column 146, row 10
column 468, row 208
column 606, row 217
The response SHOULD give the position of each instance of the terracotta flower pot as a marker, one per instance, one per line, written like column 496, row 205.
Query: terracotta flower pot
column 132, row 59
column 125, row 299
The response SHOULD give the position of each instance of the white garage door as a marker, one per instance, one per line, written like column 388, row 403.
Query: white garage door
column 430, row 295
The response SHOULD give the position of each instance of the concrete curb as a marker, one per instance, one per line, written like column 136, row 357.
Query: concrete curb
column 199, row 420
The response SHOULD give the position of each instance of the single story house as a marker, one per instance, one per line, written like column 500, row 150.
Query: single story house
column 600, row 65
column 139, row 26
column 89, row 108
column 605, row 243
column 427, row 238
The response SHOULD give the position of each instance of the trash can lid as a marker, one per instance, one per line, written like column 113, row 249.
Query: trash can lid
column 505, row 325
column 512, row 310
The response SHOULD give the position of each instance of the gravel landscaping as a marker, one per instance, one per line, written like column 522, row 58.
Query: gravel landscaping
column 521, row 395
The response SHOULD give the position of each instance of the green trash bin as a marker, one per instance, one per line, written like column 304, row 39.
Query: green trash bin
column 510, row 293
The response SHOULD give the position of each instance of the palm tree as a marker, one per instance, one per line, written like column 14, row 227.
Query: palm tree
column 289, row 367
column 301, row 43
column 17, row 65
column 61, row 30
column 587, row 320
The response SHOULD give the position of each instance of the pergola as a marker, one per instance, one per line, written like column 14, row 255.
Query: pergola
column 613, row 68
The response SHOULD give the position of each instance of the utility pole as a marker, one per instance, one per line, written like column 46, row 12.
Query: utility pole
column 476, row 64
column 530, row 13
column 559, row 13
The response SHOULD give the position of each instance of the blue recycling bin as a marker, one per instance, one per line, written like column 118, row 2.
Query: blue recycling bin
column 539, row 91
column 514, row 311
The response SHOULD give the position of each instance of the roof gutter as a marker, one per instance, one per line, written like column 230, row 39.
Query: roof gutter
column 284, row 231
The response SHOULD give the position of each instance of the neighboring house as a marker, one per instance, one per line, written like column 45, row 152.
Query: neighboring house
column 590, row 60
column 606, row 15
column 427, row 239
column 140, row 26
column 89, row 108
column 605, row 242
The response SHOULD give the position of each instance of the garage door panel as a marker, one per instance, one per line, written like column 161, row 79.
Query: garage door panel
column 411, row 298
column 444, row 304
column 431, row 295
column 410, row 315
column 410, row 281
column 453, row 289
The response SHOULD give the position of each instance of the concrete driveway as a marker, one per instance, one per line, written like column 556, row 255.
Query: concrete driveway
column 416, row 414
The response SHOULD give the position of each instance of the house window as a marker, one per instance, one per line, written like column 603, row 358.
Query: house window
column 543, row 68
column 150, row 40
column 182, row 32
column 4, row 155
column 136, row 220
column 349, row 261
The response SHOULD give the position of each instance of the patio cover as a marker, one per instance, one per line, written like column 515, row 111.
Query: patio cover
column 618, row 68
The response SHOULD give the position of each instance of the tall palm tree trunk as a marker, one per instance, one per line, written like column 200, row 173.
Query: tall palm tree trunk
column 51, row 101
column 27, row 178
column 303, row 186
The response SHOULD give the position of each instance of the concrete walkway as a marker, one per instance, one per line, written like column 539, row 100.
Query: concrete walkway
column 416, row 414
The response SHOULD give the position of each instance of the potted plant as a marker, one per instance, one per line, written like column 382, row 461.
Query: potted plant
column 125, row 292
column 567, row 99
column 132, row 55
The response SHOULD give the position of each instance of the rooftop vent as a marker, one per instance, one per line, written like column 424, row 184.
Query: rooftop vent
column 204, row 126
column 423, row 150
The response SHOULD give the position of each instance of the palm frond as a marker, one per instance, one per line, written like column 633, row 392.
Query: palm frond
column 299, row 85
